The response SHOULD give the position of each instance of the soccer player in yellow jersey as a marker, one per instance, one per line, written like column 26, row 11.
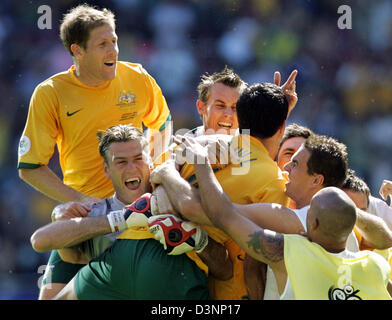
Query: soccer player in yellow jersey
column 73, row 108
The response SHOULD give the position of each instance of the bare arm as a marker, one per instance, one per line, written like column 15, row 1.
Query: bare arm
column 216, row 257
column 67, row 293
column 263, row 245
column 271, row 216
column 374, row 230
column 67, row 233
column 44, row 180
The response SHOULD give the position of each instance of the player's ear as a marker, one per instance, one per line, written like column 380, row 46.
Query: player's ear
column 201, row 107
column 282, row 127
column 76, row 50
column 318, row 179
column 106, row 170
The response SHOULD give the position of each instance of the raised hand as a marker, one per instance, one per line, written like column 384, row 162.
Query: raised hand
column 288, row 88
column 386, row 190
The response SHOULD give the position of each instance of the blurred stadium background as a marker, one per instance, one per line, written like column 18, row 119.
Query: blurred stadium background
column 344, row 83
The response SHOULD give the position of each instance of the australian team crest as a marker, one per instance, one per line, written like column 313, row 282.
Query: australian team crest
column 126, row 98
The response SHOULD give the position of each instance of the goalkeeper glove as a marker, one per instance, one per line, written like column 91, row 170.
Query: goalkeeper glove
column 133, row 215
column 177, row 236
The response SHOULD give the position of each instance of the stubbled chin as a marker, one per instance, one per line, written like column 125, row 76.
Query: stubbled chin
column 109, row 74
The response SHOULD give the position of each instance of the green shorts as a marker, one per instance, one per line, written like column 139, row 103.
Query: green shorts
column 61, row 272
column 140, row 270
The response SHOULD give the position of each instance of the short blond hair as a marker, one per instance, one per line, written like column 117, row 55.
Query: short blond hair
column 227, row 77
column 78, row 23
column 121, row 133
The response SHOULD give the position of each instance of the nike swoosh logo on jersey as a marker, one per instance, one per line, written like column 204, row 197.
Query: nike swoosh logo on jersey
column 72, row 113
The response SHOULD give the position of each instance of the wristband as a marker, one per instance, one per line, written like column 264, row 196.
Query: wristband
column 203, row 243
column 116, row 220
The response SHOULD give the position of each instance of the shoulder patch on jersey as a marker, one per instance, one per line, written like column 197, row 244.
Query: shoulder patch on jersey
column 24, row 146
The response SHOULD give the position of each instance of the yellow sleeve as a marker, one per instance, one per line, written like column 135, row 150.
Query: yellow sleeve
column 273, row 193
column 37, row 143
column 158, row 113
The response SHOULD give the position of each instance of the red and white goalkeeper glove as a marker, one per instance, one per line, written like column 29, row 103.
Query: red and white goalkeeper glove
column 177, row 236
column 133, row 215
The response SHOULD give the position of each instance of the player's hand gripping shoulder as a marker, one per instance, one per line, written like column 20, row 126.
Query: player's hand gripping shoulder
column 168, row 168
column 70, row 210
column 178, row 236
column 164, row 205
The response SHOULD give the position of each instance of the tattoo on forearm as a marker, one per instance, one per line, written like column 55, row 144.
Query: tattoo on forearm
column 268, row 245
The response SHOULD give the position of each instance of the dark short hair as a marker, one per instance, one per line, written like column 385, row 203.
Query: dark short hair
column 262, row 108
column 120, row 133
column 227, row 77
column 356, row 184
column 327, row 157
column 295, row 130
column 78, row 23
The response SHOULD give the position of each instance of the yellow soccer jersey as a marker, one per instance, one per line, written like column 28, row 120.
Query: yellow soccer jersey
column 316, row 274
column 257, row 178
column 65, row 111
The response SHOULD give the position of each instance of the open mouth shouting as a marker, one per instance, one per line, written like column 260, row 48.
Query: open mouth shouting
column 133, row 183
column 110, row 63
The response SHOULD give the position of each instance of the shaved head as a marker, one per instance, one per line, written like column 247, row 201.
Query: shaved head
column 335, row 213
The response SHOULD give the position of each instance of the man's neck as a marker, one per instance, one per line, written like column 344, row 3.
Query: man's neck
column 117, row 199
column 271, row 145
column 333, row 247
column 88, row 81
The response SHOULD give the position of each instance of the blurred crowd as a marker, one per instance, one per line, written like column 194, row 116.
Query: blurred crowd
column 344, row 83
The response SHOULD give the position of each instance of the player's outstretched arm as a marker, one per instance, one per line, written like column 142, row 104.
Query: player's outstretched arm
column 44, row 180
column 67, row 233
column 376, row 233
